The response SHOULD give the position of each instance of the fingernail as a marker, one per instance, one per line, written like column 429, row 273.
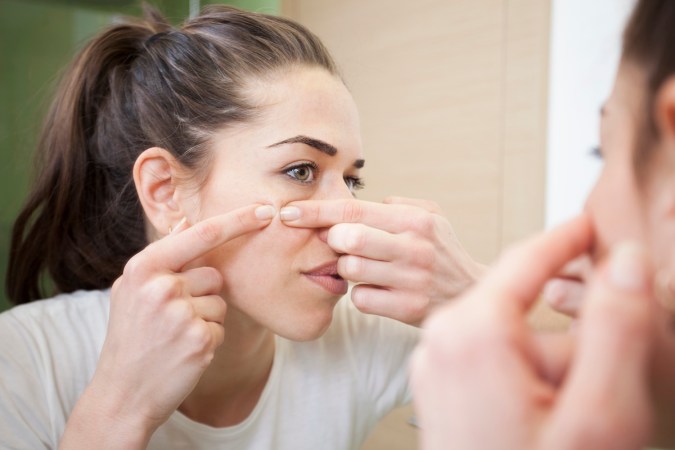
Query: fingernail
column 289, row 213
column 626, row 267
column 265, row 212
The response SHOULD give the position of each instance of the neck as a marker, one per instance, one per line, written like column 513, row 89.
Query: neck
column 231, row 386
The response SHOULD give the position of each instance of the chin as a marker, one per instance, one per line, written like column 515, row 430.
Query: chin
column 306, row 327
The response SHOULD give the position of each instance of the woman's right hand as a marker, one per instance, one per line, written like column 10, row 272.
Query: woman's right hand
column 166, row 322
column 480, row 366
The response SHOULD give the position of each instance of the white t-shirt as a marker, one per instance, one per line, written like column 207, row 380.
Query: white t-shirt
column 325, row 394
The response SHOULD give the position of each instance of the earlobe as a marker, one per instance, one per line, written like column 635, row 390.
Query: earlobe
column 154, row 176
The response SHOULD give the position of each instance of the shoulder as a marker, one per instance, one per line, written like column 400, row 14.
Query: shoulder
column 74, row 306
column 57, row 323
column 48, row 353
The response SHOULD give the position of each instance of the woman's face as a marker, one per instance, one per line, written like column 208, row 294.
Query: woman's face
column 632, row 199
column 305, row 145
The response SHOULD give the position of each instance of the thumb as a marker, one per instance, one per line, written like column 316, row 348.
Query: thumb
column 604, row 404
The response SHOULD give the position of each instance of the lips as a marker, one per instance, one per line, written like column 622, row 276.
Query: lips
column 327, row 277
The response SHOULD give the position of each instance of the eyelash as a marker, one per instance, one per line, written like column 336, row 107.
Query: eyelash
column 354, row 183
column 596, row 152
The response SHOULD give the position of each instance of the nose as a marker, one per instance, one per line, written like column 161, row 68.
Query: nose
column 323, row 234
column 334, row 190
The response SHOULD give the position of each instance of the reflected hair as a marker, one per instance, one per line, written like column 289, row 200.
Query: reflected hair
column 140, row 83
column 649, row 44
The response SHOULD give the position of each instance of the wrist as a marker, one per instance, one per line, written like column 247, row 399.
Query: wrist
column 103, row 419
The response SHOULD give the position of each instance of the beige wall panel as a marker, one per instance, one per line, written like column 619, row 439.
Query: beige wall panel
column 427, row 77
column 525, row 118
column 525, row 124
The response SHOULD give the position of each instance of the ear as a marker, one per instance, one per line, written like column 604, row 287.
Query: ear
column 155, row 173
column 664, row 118
column 665, row 111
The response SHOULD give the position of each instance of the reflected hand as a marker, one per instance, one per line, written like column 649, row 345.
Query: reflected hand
column 482, row 379
column 565, row 293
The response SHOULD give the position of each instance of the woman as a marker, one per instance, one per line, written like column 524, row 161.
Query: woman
column 170, row 159
column 611, row 384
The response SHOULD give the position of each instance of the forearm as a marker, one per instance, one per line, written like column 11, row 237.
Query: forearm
column 101, row 421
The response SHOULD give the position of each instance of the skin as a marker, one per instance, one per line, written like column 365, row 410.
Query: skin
column 194, row 299
column 596, row 388
column 403, row 253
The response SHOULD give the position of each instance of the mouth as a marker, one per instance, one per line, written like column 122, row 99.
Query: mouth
column 327, row 277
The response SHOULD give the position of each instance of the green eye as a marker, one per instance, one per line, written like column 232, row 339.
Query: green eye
column 304, row 173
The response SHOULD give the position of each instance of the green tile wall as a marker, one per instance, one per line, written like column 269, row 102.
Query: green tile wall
column 37, row 39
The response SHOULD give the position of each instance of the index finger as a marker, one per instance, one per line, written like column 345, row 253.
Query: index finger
column 326, row 213
column 520, row 274
column 175, row 251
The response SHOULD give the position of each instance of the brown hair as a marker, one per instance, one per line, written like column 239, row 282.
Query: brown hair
column 138, row 84
column 649, row 43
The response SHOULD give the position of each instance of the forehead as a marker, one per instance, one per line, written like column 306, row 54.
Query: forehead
column 307, row 101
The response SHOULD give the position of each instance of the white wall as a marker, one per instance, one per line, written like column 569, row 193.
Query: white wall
column 585, row 48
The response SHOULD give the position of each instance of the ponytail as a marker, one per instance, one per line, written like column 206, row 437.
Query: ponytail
column 82, row 220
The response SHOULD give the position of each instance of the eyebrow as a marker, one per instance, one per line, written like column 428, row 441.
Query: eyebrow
column 322, row 146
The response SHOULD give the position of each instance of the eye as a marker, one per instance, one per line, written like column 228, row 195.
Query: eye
column 596, row 152
column 354, row 183
column 304, row 172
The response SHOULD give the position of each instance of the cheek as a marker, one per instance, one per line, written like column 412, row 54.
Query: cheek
column 614, row 208
column 261, row 253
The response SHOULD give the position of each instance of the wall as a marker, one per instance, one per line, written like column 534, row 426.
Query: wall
column 585, row 50
column 453, row 102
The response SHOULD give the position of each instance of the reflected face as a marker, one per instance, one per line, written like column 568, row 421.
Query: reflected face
column 305, row 145
column 632, row 197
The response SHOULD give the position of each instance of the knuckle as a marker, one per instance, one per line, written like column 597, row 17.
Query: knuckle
column 424, row 281
column 116, row 286
column 215, row 277
column 352, row 212
column 355, row 239
column 360, row 298
column 165, row 288
column 134, row 266
column 350, row 266
column 415, row 309
column 219, row 307
column 423, row 223
column 424, row 256
column 179, row 312
column 313, row 213
column 208, row 232
column 199, row 336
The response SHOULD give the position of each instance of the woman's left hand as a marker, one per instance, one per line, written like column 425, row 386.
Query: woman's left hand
column 403, row 252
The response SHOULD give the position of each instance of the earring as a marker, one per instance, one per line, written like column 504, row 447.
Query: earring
column 180, row 224
column 663, row 289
